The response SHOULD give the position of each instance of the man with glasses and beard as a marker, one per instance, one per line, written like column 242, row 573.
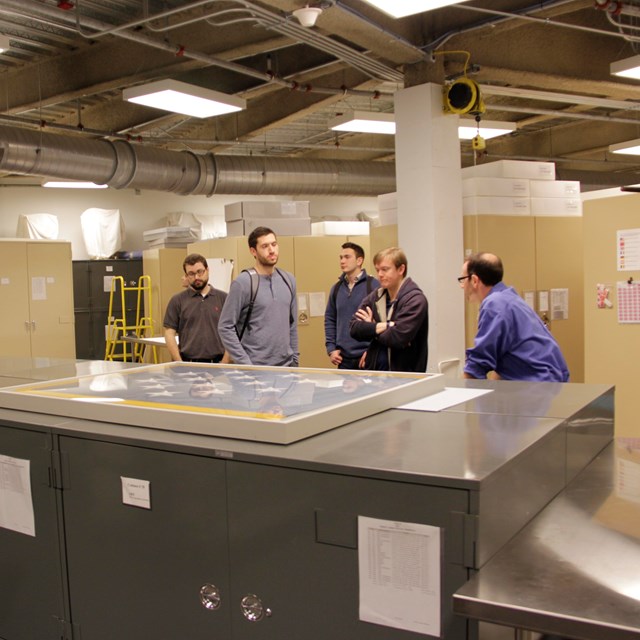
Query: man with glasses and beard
column 258, row 322
column 193, row 316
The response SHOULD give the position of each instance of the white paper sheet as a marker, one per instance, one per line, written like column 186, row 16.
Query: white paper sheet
column 16, row 504
column 136, row 492
column 399, row 571
column 317, row 304
column 38, row 288
column 444, row 399
column 220, row 272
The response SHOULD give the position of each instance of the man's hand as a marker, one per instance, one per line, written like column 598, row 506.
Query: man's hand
column 365, row 314
column 335, row 357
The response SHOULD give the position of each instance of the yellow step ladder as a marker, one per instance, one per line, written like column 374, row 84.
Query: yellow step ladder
column 126, row 342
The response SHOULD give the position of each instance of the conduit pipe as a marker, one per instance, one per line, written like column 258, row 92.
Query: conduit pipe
column 121, row 165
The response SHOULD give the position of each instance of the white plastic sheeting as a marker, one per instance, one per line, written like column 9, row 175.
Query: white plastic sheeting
column 103, row 232
column 38, row 226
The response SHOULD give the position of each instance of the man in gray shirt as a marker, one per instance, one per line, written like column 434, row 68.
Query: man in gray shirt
column 258, row 321
column 193, row 316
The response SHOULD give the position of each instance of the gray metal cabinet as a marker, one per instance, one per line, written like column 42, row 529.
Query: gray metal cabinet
column 286, row 536
column 91, row 292
column 32, row 603
column 293, row 544
column 136, row 572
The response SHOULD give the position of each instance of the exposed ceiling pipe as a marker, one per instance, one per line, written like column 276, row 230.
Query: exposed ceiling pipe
column 32, row 10
column 121, row 165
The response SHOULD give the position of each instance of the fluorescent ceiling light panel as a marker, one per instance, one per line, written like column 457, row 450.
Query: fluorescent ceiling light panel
column 402, row 8
column 364, row 122
column 4, row 43
column 72, row 184
column 627, row 68
column 631, row 147
column 468, row 129
column 180, row 97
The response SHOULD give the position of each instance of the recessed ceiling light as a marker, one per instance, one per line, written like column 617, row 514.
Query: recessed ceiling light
column 180, row 97
column 364, row 122
column 402, row 8
column 4, row 43
column 468, row 129
column 627, row 68
column 72, row 184
column 631, row 147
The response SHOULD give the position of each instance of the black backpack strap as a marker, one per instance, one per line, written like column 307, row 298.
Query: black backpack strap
column 255, row 283
column 369, row 284
column 286, row 281
column 334, row 294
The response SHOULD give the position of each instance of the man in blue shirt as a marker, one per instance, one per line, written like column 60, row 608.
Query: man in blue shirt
column 344, row 300
column 511, row 341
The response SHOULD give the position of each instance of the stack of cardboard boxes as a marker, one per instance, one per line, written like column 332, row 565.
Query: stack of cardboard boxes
column 288, row 218
column 518, row 188
column 169, row 237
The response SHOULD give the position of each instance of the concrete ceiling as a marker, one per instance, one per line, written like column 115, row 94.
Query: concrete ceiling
column 542, row 65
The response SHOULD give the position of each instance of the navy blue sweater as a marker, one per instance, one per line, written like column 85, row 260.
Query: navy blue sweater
column 340, row 310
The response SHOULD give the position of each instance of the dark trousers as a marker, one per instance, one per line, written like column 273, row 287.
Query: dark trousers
column 349, row 363
column 212, row 359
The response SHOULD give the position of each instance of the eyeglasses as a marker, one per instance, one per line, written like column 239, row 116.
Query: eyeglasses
column 196, row 274
column 461, row 279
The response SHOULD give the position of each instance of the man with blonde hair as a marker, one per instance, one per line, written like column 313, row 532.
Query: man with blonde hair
column 394, row 317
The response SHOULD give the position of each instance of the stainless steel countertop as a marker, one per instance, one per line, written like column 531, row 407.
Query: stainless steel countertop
column 573, row 571
column 23, row 370
column 542, row 399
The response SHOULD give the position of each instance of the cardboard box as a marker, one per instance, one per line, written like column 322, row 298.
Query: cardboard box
column 388, row 201
column 280, row 226
column 170, row 237
column 266, row 209
column 503, row 187
column 513, row 169
column 495, row 205
column 554, row 189
column 556, row 207
column 387, row 216
column 340, row 228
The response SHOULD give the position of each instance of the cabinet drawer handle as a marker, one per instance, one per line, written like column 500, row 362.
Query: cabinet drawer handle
column 210, row 597
column 253, row 609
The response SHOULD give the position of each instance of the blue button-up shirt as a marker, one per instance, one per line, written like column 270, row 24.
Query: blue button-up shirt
column 513, row 341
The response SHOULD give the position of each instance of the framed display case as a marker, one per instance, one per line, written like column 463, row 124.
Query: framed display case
column 268, row 404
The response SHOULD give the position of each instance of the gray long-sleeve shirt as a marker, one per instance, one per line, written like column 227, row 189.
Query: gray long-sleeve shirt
column 271, row 337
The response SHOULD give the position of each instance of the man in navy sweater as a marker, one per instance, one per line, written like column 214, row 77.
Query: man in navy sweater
column 344, row 300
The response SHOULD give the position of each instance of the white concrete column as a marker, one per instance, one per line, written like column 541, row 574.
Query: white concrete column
column 429, row 187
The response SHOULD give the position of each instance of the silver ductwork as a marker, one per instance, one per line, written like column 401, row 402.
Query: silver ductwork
column 122, row 165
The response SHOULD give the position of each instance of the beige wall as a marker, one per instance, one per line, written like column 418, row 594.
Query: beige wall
column 611, row 349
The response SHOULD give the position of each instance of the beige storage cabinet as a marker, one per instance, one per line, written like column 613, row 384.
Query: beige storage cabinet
column 164, row 267
column 36, row 297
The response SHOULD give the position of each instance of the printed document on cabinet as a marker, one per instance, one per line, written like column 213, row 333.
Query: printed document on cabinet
column 16, row 505
column 399, row 570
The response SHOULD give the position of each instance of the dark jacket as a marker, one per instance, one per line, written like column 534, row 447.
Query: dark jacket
column 407, row 341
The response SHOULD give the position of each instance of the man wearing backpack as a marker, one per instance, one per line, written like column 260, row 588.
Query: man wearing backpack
column 344, row 300
column 258, row 321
